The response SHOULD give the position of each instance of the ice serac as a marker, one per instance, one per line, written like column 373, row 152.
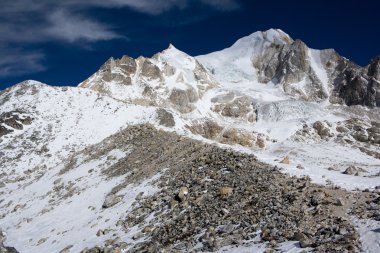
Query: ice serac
column 170, row 78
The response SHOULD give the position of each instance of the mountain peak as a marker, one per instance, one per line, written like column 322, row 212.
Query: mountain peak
column 276, row 36
column 171, row 46
column 172, row 51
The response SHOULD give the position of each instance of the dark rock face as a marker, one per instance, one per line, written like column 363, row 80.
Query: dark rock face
column 289, row 64
column 374, row 75
column 352, row 84
column 355, row 85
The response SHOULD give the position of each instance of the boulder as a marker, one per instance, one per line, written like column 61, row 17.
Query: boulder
column 165, row 118
column 111, row 200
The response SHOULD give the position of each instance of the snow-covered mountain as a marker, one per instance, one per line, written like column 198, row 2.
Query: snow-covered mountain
column 103, row 164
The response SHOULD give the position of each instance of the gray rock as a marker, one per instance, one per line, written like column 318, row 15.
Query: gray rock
column 150, row 70
column 183, row 99
column 353, row 170
column 305, row 243
column 111, row 200
column 165, row 118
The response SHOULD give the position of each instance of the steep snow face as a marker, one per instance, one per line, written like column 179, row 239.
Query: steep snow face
column 272, row 57
column 235, row 64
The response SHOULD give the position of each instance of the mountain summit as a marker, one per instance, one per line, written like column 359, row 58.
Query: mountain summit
column 265, row 145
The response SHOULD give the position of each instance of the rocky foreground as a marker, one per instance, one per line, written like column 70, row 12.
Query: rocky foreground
column 210, row 197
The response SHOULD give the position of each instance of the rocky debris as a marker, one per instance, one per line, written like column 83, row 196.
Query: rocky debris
column 362, row 130
column 366, row 205
column 111, row 200
column 105, row 249
column 229, row 215
column 214, row 197
column 165, row 118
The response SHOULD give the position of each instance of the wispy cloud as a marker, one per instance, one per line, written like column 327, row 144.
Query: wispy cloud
column 68, row 27
column 18, row 61
column 222, row 5
column 30, row 22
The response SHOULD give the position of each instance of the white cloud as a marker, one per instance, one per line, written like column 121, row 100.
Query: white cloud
column 71, row 28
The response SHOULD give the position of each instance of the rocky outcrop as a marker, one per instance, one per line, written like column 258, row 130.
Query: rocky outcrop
column 352, row 85
column 235, row 106
column 228, row 135
column 353, row 131
column 148, row 81
column 150, row 71
column 208, row 129
column 14, row 120
column 183, row 100
column 290, row 66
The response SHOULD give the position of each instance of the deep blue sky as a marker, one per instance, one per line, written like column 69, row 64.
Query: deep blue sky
column 64, row 42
